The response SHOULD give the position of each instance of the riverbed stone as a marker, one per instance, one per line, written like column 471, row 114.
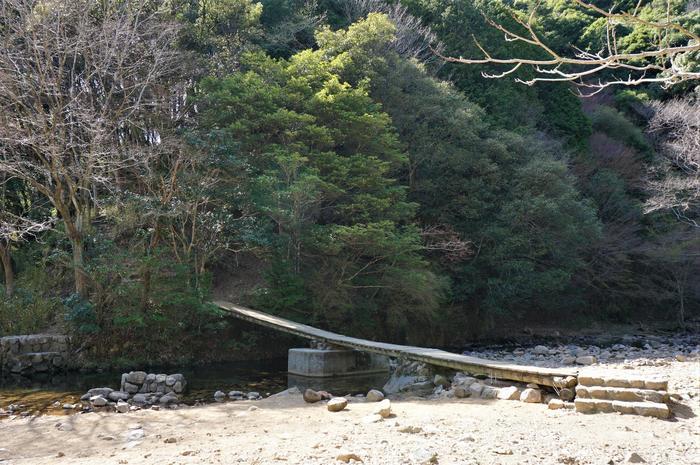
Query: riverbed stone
column 540, row 350
column 530, row 395
column 167, row 399
column 336, row 404
column 375, row 395
column 509, row 393
column 421, row 388
column 475, row 389
column 555, row 404
column 461, row 379
column 98, row 401
column 131, row 388
column 118, row 395
column 383, row 408
column 440, row 380
column 585, row 360
column 311, row 396
column 489, row 392
column 121, row 407
column 236, row 395
column 461, row 392
column 140, row 399
column 104, row 392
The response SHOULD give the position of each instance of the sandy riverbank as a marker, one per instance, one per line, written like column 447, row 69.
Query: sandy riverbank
column 285, row 430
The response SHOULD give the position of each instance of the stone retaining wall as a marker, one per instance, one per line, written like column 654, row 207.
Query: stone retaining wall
column 34, row 353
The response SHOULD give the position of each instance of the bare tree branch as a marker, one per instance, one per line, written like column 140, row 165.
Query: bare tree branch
column 662, row 62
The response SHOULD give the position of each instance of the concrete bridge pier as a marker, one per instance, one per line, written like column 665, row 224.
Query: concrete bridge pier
column 331, row 362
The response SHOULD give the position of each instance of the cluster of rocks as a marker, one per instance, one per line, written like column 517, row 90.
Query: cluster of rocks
column 463, row 386
column 138, row 390
column 419, row 379
column 220, row 396
column 650, row 350
column 35, row 353
column 336, row 404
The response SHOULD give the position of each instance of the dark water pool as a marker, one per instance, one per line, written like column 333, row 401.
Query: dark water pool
column 47, row 394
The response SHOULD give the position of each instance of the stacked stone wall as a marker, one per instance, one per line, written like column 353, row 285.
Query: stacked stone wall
column 34, row 353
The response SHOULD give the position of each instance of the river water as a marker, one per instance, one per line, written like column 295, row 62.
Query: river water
column 46, row 395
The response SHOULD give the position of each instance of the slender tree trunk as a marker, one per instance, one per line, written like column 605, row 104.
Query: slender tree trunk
column 78, row 266
column 681, row 298
column 7, row 269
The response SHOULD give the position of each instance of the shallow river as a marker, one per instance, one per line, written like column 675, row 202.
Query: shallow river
column 263, row 376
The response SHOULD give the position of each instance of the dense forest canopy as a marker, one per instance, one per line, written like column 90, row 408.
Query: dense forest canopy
column 318, row 160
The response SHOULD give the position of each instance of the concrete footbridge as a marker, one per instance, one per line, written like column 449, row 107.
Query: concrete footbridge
column 473, row 365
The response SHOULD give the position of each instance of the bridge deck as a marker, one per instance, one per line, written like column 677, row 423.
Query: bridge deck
column 474, row 365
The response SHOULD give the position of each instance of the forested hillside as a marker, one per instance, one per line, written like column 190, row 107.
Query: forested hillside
column 322, row 162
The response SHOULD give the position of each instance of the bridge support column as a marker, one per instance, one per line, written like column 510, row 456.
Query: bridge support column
column 322, row 363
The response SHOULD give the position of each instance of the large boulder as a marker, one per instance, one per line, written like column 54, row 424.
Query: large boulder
column 167, row 399
column 441, row 380
column 131, row 388
column 475, row 389
column 410, row 377
column 531, row 396
column 489, row 392
column 136, row 377
column 509, row 393
column 461, row 379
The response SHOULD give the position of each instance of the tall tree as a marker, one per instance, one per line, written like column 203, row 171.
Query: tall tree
column 82, row 83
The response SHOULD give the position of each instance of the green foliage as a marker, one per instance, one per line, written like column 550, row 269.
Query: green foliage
column 614, row 124
column 81, row 315
column 338, row 167
column 322, row 158
column 27, row 312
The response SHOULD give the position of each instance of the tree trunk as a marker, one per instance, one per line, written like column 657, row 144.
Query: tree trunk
column 78, row 266
column 681, row 297
column 7, row 269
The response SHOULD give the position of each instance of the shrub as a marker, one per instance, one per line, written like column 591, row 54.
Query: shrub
column 27, row 312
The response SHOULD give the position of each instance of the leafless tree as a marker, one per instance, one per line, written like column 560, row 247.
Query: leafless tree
column 13, row 229
column 663, row 61
column 676, row 126
column 444, row 240
column 285, row 34
column 413, row 38
column 82, row 85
